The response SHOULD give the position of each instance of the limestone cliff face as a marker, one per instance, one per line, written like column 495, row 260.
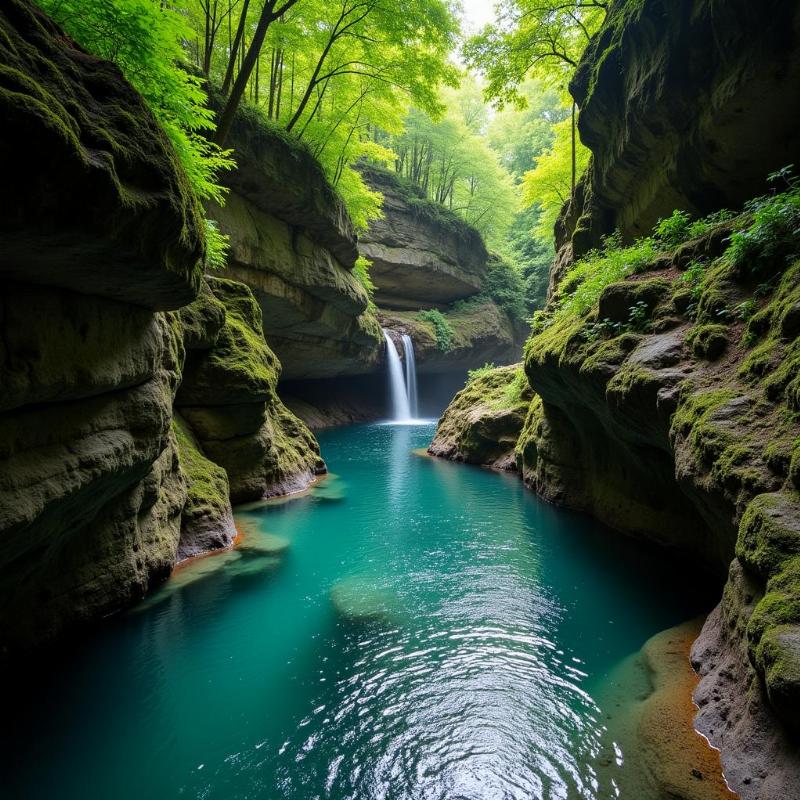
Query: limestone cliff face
column 422, row 255
column 293, row 244
column 102, row 486
column 684, row 104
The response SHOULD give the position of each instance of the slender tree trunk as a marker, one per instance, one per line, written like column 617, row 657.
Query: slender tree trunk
column 234, row 54
column 574, row 144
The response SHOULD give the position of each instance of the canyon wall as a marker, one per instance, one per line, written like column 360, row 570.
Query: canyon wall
column 667, row 407
column 686, row 104
column 108, row 325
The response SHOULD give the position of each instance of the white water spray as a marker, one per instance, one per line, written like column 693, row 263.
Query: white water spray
column 401, row 410
column 411, row 376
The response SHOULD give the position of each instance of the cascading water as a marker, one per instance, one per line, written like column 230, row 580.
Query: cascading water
column 401, row 410
column 411, row 376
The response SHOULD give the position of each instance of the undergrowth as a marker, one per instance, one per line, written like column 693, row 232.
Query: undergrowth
column 442, row 328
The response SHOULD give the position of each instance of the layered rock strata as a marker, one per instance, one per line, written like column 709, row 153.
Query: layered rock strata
column 293, row 244
column 102, row 487
column 423, row 256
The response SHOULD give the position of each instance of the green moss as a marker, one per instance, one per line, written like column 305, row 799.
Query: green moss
column 769, row 533
column 207, row 482
column 240, row 350
column 526, row 450
column 779, row 606
column 708, row 341
column 778, row 656
column 485, row 418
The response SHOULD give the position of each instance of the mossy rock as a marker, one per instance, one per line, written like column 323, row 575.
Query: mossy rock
column 779, row 659
column 207, row 519
column 202, row 320
column 240, row 367
column 483, row 422
column 779, row 606
column 617, row 299
column 769, row 533
column 105, row 208
column 708, row 341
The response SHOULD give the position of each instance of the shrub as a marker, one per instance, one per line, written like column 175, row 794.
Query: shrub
column 361, row 273
column 441, row 327
column 773, row 238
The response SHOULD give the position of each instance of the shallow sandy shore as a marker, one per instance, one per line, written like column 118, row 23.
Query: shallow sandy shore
column 665, row 757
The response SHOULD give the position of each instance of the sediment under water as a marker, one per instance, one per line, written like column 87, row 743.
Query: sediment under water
column 410, row 628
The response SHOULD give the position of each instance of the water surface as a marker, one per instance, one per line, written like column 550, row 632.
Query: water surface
column 410, row 629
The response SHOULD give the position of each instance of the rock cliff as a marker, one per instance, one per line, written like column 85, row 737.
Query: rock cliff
column 666, row 372
column 686, row 104
column 102, row 486
column 423, row 255
column 293, row 244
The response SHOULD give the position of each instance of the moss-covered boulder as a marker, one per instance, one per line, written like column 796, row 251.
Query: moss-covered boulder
column 207, row 518
column 483, row 422
column 229, row 398
column 101, row 205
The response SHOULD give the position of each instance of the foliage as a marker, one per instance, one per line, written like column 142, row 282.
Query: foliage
column 145, row 39
column 450, row 160
column 541, row 37
column 584, row 283
column 442, row 328
column 549, row 183
column 773, row 238
column 520, row 135
column 504, row 285
column 480, row 372
column 331, row 73
column 217, row 245
column 532, row 255
column 361, row 274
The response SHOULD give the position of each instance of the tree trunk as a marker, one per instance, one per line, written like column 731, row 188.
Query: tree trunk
column 234, row 54
column 574, row 157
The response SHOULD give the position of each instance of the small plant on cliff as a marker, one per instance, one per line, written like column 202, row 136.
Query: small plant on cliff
column 361, row 274
column 773, row 238
column 584, row 283
column 442, row 329
column 480, row 372
column 217, row 245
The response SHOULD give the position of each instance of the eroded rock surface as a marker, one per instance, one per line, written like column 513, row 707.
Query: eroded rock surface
column 102, row 487
column 293, row 244
column 422, row 255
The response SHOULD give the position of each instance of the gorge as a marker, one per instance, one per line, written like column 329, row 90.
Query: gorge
column 237, row 563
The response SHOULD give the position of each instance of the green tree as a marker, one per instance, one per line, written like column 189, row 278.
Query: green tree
column 146, row 40
column 550, row 182
column 540, row 38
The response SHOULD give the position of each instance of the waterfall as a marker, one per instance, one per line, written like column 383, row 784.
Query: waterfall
column 401, row 410
column 411, row 376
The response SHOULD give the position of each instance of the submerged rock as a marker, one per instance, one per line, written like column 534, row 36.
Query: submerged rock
column 359, row 599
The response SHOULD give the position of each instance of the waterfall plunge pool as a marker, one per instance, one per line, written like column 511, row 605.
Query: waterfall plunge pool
column 409, row 629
